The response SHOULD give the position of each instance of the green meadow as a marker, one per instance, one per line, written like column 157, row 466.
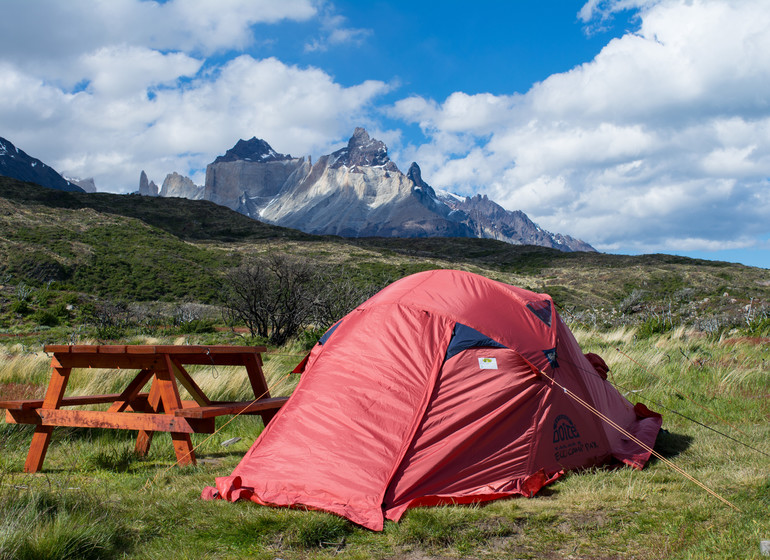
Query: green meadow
column 96, row 499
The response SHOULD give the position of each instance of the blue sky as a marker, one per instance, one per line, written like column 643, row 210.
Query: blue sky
column 437, row 47
column 639, row 126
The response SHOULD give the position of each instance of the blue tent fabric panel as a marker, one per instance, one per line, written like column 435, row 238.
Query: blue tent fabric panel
column 542, row 310
column 465, row 337
column 550, row 355
column 328, row 333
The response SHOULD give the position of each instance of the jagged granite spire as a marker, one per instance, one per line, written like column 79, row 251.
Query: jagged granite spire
column 147, row 188
column 362, row 151
column 256, row 150
column 415, row 174
column 180, row 186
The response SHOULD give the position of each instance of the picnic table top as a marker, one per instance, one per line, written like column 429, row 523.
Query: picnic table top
column 150, row 349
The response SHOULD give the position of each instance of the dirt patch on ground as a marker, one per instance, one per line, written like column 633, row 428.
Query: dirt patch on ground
column 19, row 391
column 19, row 335
column 751, row 340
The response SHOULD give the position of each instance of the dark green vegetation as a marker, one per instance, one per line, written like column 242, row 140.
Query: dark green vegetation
column 70, row 259
column 187, row 219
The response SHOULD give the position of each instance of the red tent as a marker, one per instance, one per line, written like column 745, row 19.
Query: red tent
column 442, row 388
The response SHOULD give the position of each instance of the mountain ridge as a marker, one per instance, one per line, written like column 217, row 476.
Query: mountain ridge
column 358, row 191
column 17, row 164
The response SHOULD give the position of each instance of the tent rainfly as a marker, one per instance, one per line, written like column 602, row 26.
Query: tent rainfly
column 443, row 388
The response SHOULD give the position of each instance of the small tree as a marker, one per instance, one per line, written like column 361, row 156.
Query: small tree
column 244, row 297
column 338, row 295
column 293, row 290
column 276, row 296
column 272, row 295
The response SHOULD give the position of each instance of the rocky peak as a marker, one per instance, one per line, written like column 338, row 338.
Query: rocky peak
column 147, row 188
column 180, row 186
column 482, row 202
column 355, row 191
column 490, row 220
column 256, row 150
column 424, row 192
column 415, row 175
column 362, row 150
column 88, row 184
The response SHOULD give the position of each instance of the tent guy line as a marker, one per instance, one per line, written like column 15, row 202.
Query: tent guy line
column 151, row 481
column 656, row 403
column 636, row 440
column 681, row 396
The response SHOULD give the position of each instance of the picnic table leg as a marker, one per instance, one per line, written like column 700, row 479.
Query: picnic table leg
column 144, row 438
column 169, row 396
column 258, row 384
column 42, row 436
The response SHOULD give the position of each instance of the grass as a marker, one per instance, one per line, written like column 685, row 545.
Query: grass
column 41, row 524
column 97, row 499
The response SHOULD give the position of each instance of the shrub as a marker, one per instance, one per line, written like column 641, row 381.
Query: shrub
column 759, row 327
column 309, row 337
column 37, row 266
column 21, row 307
column 196, row 326
column 272, row 295
column 45, row 318
column 654, row 325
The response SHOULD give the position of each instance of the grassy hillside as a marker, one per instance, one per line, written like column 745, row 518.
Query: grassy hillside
column 130, row 248
column 182, row 218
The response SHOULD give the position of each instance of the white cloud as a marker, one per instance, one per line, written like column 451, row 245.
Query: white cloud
column 226, row 23
column 599, row 11
column 129, row 86
column 662, row 141
column 117, row 130
column 123, row 70
column 56, row 29
column 334, row 32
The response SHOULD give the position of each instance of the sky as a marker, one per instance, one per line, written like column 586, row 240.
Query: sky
column 639, row 126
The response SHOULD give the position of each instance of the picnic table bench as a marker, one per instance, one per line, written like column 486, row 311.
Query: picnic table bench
column 159, row 410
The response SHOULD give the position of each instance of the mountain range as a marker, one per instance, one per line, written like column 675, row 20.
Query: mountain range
column 356, row 191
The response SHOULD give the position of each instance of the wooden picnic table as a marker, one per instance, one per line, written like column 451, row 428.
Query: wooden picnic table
column 160, row 410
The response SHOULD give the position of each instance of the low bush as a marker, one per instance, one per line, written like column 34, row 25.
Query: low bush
column 21, row 307
column 196, row 326
column 759, row 327
column 653, row 326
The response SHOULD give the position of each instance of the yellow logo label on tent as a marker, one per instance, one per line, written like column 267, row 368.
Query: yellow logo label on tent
column 488, row 363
